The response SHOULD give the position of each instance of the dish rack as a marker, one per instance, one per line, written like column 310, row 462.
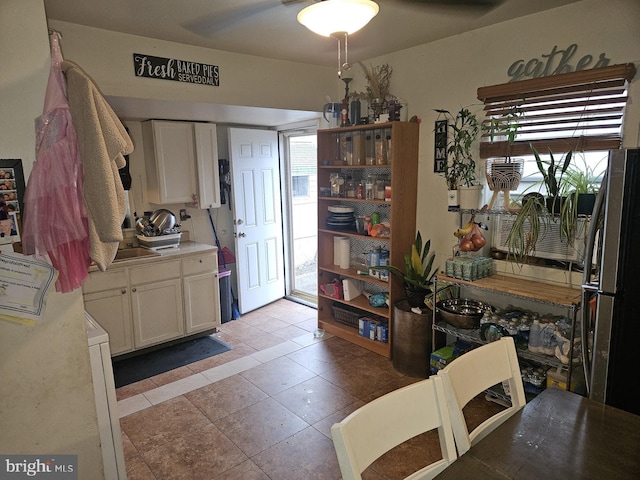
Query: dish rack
column 160, row 242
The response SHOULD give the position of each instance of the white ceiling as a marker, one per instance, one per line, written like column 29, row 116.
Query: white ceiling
column 269, row 28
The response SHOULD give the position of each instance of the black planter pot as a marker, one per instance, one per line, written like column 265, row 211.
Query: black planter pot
column 416, row 296
column 586, row 201
column 554, row 204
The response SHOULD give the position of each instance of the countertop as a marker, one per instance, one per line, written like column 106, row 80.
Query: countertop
column 183, row 249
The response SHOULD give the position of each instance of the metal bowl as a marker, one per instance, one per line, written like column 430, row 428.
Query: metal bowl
column 163, row 219
column 463, row 313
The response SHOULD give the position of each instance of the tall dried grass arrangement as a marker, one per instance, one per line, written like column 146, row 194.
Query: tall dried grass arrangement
column 378, row 80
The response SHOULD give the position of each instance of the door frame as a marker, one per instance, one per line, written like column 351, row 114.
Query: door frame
column 285, row 132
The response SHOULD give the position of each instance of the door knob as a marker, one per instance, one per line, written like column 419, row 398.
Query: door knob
column 242, row 234
column 240, row 222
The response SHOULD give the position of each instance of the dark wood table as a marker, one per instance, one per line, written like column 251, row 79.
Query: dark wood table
column 557, row 435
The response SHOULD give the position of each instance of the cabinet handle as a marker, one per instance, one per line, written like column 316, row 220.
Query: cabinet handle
column 123, row 291
column 134, row 290
column 200, row 260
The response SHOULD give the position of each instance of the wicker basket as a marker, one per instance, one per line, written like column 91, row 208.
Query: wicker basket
column 346, row 315
column 350, row 316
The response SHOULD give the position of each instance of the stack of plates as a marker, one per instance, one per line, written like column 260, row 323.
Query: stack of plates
column 341, row 218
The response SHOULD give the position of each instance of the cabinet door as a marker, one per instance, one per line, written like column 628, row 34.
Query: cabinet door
column 201, row 302
column 112, row 310
column 157, row 312
column 170, row 161
column 207, row 165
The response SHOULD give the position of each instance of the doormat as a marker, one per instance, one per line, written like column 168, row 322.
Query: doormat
column 134, row 369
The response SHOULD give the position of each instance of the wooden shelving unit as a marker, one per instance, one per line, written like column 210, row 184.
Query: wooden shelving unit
column 400, row 212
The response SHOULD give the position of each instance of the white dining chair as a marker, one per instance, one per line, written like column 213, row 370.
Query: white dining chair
column 391, row 420
column 471, row 374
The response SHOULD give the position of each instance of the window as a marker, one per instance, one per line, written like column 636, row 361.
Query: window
column 300, row 186
column 581, row 111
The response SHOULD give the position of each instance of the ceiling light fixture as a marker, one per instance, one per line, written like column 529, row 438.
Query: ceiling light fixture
column 333, row 16
column 338, row 19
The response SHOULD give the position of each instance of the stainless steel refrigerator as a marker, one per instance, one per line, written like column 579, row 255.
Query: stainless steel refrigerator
column 611, row 288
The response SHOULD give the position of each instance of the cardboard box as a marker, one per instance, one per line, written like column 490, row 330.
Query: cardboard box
column 441, row 358
column 352, row 288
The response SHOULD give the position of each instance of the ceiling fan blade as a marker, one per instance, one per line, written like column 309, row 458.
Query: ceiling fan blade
column 210, row 25
column 457, row 3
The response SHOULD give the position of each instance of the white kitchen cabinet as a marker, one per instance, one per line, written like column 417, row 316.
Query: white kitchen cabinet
column 107, row 300
column 181, row 160
column 150, row 301
column 207, row 165
column 156, row 303
column 201, row 293
column 157, row 312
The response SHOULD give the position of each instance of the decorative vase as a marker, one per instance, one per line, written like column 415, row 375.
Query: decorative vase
column 416, row 295
column 469, row 197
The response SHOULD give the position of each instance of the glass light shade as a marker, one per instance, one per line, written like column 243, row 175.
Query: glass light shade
column 333, row 16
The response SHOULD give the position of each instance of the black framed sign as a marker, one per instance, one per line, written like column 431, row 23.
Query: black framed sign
column 440, row 146
column 176, row 70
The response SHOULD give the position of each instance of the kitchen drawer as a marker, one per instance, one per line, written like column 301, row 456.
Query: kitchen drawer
column 155, row 272
column 199, row 264
column 102, row 281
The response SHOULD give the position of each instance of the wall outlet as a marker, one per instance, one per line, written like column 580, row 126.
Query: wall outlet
column 183, row 214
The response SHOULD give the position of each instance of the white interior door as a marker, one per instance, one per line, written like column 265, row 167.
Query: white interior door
column 255, row 173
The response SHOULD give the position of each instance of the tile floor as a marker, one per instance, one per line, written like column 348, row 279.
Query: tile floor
column 264, row 409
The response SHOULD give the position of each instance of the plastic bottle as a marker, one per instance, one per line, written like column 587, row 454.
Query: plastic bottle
column 534, row 337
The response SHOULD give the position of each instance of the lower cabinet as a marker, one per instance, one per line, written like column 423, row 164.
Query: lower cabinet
column 157, row 312
column 201, row 292
column 162, row 300
column 107, row 300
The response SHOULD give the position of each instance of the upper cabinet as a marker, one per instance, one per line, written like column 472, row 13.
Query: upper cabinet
column 181, row 161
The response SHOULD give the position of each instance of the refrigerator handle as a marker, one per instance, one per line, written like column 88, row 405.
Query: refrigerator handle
column 598, row 211
column 587, row 286
column 585, row 321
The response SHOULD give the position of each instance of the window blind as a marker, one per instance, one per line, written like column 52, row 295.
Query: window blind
column 580, row 111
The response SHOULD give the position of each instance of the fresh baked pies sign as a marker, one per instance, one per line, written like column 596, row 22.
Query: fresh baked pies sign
column 177, row 70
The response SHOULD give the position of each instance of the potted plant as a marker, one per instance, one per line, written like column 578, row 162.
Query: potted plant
column 418, row 272
column 580, row 187
column 552, row 177
column 582, row 184
column 460, row 168
column 378, row 84
column 528, row 227
column 504, row 174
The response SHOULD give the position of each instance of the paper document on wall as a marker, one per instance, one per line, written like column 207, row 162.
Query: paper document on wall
column 24, row 285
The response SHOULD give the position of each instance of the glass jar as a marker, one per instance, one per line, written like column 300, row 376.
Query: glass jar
column 369, row 186
column 350, row 188
column 337, row 185
column 387, row 145
column 380, row 148
column 347, row 153
column 379, row 188
column 370, row 150
column 359, row 148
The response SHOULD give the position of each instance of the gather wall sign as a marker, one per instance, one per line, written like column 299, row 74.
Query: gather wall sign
column 177, row 70
column 553, row 63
